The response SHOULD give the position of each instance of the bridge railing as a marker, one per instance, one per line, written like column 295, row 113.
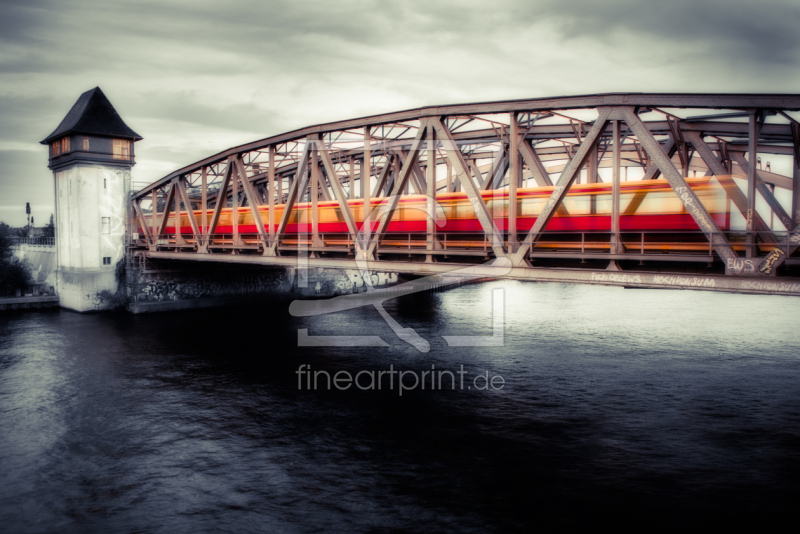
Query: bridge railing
column 38, row 241
column 637, row 245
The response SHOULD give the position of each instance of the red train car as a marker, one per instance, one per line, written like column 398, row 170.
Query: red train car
column 644, row 205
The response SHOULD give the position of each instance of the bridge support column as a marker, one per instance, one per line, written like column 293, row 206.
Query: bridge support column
column 796, row 191
column 616, row 239
column 431, row 192
column 751, row 184
column 514, row 178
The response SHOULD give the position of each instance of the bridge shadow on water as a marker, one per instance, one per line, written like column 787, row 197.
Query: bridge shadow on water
column 198, row 421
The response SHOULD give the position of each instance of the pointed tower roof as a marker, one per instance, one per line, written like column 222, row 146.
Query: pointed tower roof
column 93, row 114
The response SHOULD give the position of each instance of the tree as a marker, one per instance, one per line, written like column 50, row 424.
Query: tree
column 14, row 273
column 50, row 228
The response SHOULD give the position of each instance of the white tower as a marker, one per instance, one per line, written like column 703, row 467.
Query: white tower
column 91, row 155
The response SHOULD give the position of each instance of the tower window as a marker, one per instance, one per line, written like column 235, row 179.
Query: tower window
column 121, row 149
column 86, row 143
column 106, row 260
column 105, row 224
column 65, row 145
column 56, row 148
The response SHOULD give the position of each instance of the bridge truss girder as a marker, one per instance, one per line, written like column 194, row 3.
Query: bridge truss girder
column 489, row 146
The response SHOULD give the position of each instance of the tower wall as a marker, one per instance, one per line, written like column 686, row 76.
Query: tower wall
column 91, row 218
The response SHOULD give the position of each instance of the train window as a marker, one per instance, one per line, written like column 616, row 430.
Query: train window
column 531, row 206
column 656, row 202
column 463, row 210
column 578, row 204
column 603, row 204
column 448, row 211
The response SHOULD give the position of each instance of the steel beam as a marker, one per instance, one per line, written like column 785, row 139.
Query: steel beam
column 669, row 148
column 177, row 217
column 456, row 158
column 795, row 173
column 338, row 190
column 189, row 210
column 298, row 184
column 592, row 177
column 366, row 171
column 796, row 193
column 513, row 180
column 731, row 189
column 154, row 215
column 252, row 201
column 449, row 178
column 271, row 197
column 431, row 193
column 494, row 178
column 684, row 192
column 562, row 186
column 767, row 193
column 772, row 131
column 143, row 221
column 652, row 172
column 315, row 193
column 616, row 239
column 751, row 183
column 383, row 183
column 367, row 249
column 715, row 101
column 203, row 207
column 167, row 209
column 417, row 179
column 234, row 204
column 534, row 163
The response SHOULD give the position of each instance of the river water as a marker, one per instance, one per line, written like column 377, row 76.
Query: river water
column 616, row 408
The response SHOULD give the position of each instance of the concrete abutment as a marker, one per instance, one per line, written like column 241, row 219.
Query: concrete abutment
column 177, row 285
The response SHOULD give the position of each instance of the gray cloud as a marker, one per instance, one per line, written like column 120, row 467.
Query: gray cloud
column 727, row 31
column 195, row 77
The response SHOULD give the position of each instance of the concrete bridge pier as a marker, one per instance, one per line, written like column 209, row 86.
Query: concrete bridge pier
column 168, row 285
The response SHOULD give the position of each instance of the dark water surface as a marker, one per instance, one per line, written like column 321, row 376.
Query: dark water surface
column 621, row 409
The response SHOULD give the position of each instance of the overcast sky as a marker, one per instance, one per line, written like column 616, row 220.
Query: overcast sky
column 196, row 77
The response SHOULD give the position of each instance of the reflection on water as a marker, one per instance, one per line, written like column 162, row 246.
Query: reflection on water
column 620, row 407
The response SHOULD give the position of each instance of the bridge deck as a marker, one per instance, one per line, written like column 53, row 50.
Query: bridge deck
column 452, row 272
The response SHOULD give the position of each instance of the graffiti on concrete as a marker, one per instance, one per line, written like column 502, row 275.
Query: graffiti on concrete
column 180, row 286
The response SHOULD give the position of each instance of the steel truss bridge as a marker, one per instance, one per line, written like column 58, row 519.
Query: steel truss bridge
column 499, row 148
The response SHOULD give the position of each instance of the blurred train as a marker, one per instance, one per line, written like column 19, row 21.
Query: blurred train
column 650, row 205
